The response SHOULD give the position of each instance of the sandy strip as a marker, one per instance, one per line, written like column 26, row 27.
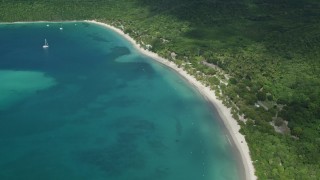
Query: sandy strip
column 224, row 112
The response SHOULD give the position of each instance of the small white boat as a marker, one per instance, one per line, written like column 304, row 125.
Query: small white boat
column 46, row 45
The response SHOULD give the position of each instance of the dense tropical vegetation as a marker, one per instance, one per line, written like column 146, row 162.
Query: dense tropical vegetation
column 262, row 57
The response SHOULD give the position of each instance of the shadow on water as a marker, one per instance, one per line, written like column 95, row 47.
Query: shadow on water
column 119, row 157
column 123, row 155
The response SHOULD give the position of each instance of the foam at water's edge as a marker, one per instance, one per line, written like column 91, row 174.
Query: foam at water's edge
column 110, row 115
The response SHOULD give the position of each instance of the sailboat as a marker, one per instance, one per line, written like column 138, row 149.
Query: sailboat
column 46, row 45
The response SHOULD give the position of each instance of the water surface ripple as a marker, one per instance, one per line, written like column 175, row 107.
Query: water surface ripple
column 91, row 107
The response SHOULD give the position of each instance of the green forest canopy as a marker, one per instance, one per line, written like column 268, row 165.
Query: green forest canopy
column 270, row 50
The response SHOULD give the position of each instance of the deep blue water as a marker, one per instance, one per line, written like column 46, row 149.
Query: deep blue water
column 92, row 107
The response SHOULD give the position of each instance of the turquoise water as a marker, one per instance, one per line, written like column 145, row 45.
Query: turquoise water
column 92, row 107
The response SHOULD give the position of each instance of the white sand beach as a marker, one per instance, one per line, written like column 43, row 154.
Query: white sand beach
column 224, row 112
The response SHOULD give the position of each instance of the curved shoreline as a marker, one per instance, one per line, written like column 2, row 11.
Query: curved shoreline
column 224, row 112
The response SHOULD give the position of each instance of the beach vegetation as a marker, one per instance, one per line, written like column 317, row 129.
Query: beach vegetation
column 247, row 51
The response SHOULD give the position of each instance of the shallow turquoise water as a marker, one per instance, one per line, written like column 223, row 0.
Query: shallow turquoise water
column 91, row 107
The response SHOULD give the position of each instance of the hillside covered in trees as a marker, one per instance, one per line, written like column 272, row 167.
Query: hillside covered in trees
column 262, row 57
